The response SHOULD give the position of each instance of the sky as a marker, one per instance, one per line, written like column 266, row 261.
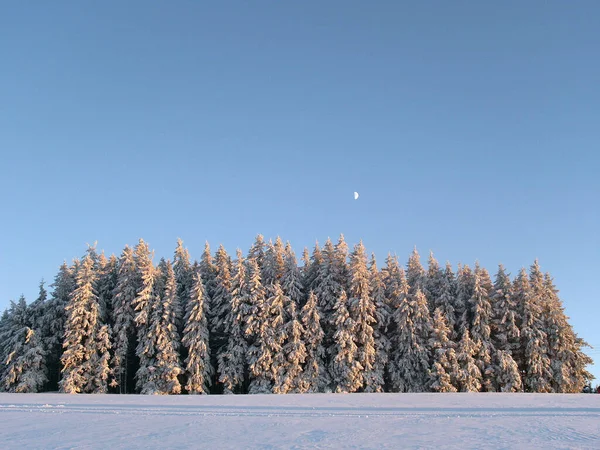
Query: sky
column 470, row 129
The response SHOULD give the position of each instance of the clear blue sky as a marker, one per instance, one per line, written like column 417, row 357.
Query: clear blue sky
column 469, row 128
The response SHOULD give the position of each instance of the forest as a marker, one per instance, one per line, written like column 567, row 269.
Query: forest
column 266, row 323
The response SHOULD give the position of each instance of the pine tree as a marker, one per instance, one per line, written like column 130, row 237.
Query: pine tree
column 434, row 280
column 97, row 367
column 164, row 331
column 507, row 374
column 314, row 377
column 183, row 276
column 468, row 378
column 521, row 293
column 265, row 330
column 258, row 252
column 291, row 280
column 23, row 355
column 568, row 362
column 81, row 331
column 107, row 269
column 195, row 339
column 208, row 273
column 464, row 291
column 273, row 263
column 363, row 314
column 538, row 373
column 144, row 303
column 410, row 353
column 312, row 269
column 123, row 329
column 415, row 274
column 345, row 369
column 53, row 328
column 383, row 317
column 220, row 307
column 232, row 364
column 504, row 329
column 289, row 378
column 479, row 316
column 446, row 300
column 444, row 362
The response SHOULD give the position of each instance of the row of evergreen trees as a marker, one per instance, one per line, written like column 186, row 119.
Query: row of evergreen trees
column 263, row 324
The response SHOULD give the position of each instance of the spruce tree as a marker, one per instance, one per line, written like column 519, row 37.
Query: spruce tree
column 208, row 273
column 415, row 274
column 315, row 377
column 182, row 267
column 345, row 368
column 434, row 280
column 23, row 359
column 468, row 377
column 107, row 269
column 382, row 320
column 144, row 303
column 538, row 373
column 443, row 356
column 363, row 313
column 410, row 353
column 504, row 329
column 123, row 329
column 98, row 367
column 464, row 291
column 232, row 363
column 219, row 308
column 507, row 376
column 198, row 367
column 81, row 331
column 289, row 377
column 447, row 298
column 568, row 362
column 273, row 263
column 312, row 269
column 54, row 320
column 479, row 316
column 291, row 280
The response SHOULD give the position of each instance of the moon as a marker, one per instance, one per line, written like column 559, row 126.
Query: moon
column 356, row 196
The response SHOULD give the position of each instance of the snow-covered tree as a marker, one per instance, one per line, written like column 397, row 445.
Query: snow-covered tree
column 265, row 331
column 195, row 339
column 538, row 373
column 81, row 331
column 123, row 329
column 410, row 354
column 567, row 360
column 163, row 330
column 220, row 305
column 273, row 263
column 315, row 377
column 143, row 304
column 23, row 364
column 382, row 320
column 507, row 376
column 479, row 316
column 182, row 267
column 468, row 377
column 363, row 313
column 464, row 291
column 415, row 273
column 232, row 363
column 345, row 369
column 53, row 328
column 446, row 299
column 312, row 269
column 208, row 273
column 289, row 378
column 504, row 329
column 97, row 368
column 443, row 356
column 291, row 280
column 434, row 280
column 25, row 370
column 107, row 270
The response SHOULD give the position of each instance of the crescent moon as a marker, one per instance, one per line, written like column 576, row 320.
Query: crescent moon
column 356, row 196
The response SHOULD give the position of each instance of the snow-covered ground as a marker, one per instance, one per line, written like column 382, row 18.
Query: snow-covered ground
column 300, row 421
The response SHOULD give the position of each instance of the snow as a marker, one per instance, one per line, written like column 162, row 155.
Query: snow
column 301, row 421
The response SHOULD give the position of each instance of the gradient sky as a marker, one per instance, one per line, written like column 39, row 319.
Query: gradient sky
column 469, row 128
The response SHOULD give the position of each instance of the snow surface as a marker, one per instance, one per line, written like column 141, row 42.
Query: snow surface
column 301, row 421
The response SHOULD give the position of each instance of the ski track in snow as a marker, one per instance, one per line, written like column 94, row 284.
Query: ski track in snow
column 301, row 421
